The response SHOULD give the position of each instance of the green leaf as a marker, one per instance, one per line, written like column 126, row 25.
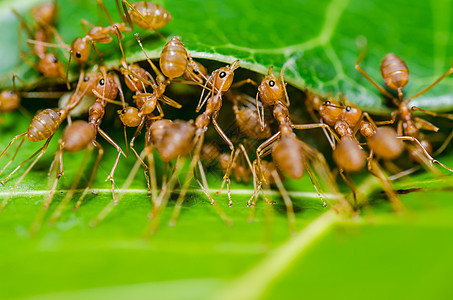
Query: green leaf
column 315, row 41
column 378, row 255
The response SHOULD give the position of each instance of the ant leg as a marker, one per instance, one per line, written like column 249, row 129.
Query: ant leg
column 205, row 188
column 41, row 152
column 441, row 148
column 150, row 62
column 152, row 184
column 85, row 24
column 187, row 179
column 319, row 125
column 315, row 183
column 112, row 172
column 449, row 71
column 243, row 82
column 60, row 208
column 443, row 115
column 371, row 80
column 37, row 223
column 429, row 157
column 24, row 135
column 24, row 162
column 107, row 14
column 287, row 201
column 93, row 174
column 423, row 124
column 226, row 178
column 352, row 187
column 394, row 115
column 375, row 169
column 59, row 172
column 263, row 148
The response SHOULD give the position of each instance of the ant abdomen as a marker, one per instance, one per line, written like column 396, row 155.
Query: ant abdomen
column 150, row 15
column 173, row 58
column 45, row 13
column 394, row 71
column 348, row 155
column 43, row 125
column 176, row 140
column 287, row 153
column 385, row 144
column 78, row 136
column 9, row 101
column 157, row 129
column 248, row 123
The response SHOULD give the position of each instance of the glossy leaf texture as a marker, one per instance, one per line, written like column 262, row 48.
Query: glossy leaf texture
column 316, row 41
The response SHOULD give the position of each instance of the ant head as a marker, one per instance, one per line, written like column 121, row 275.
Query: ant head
column 88, row 82
column 195, row 72
column 223, row 77
column 330, row 111
column 80, row 50
column 106, row 86
column 44, row 14
column 129, row 116
column 271, row 89
column 351, row 114
column 9, row 101
column 50, row 66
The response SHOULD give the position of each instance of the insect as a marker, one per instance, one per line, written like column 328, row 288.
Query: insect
column 396, row 75
column 289, row 153
column 42, row 127
column 44, row 16
column 145, row 14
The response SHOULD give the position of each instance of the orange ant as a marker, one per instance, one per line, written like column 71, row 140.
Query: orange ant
column 349, row 156
column 396, row 75
column 289, row 153
column 145, row 14
column 42, row 127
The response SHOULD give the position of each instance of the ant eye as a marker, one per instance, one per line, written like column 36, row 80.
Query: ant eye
column 348, row 108
column 271, row 83
column 123, row 111
column 102, row 82
column 78, row 55
column 11, row 92
column 222, row 74
column 195, row 71
column 86, row 78
column 54, row 59
column 327, row 102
